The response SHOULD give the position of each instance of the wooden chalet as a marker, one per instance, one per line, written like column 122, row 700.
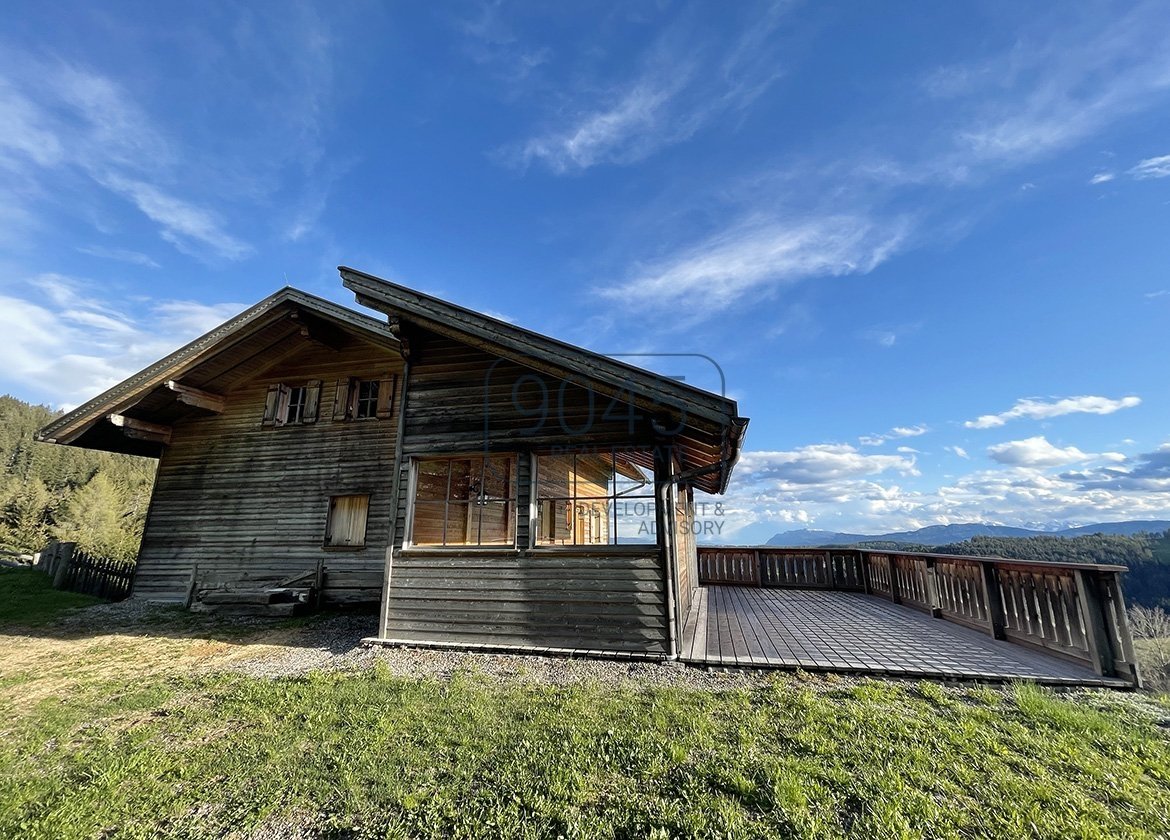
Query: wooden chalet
column 486, row 484
column 495, row 489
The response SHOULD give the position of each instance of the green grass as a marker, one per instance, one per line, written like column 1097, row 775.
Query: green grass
column 28, row 599
column 369, row 755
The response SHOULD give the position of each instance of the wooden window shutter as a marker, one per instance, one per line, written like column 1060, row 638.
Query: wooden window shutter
column 341, row 400
column 312, row 399
column 386, row 396
column 271, row 404
column 283, row 393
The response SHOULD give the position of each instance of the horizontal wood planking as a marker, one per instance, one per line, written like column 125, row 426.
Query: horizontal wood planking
column 243, row 502
column 613, row 604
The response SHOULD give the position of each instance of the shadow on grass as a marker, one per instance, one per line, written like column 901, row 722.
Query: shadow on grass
column 29, row 606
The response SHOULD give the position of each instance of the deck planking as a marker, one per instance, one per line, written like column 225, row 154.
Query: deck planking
column 820, row 630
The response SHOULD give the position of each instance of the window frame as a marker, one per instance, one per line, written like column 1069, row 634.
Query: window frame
column 534, row 544
column 278, row 402
column 326, row 545
column 414, row 461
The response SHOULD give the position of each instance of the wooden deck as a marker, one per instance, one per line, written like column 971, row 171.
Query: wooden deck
column 818, row 630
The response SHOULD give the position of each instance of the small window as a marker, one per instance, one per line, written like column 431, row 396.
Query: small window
column 288, row 405
column 362, row 399
column 464, row 501
column 367, row 398
column 594, row 498
column 347, row 521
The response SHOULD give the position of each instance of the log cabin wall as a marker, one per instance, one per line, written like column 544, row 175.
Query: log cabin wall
column 461, row 400
column 240, row 500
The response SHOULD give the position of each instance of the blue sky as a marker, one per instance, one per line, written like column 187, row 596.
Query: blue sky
column 927, row 243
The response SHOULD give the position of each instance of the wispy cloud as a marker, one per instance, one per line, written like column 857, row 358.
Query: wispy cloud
column 1056, row 89
column 684, row 82
column 182, row 224
column 893, row 434
column 1157, row 294
column 120, row 254
column 1036, row 409
column 957, row 451
column 1155, row 167
column 1102, row 178
column 756, row 256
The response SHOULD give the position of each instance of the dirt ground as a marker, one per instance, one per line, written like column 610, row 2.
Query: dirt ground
column 120, row 641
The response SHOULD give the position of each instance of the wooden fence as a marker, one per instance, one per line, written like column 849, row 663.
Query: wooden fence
column 1073, row 610
column 76, row 571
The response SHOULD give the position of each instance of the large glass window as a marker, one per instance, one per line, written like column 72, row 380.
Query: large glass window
column 594, row 498
column 465, row 501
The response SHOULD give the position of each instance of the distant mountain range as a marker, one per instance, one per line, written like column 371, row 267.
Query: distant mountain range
column 945, row 534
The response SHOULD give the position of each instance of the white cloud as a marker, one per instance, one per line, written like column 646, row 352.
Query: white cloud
column 67, row 347
column 1036, row 409
column 1036, row 452
column 958, row 451
column 1155, row 167
column 1102, row 177
column 820, row 464
column 896, row 432
column 868, row 500
column 1157, row 294
column 754, row 256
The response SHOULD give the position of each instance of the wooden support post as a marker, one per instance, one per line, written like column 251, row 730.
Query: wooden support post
column 863, row 571
column 191, row 587
column 1093, row 615
column 759, row 561
column 993, row 599
column 64, row 563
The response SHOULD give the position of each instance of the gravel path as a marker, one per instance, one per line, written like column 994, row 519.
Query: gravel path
column 334, row 643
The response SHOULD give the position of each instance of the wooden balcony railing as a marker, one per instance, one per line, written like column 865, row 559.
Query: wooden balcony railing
column 1072, row 610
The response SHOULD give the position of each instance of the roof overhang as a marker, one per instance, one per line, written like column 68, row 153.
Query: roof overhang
column 713, row 429
column 190, row 381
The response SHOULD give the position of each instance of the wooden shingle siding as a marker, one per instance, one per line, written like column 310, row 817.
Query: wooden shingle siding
column 241, row 501
column 596, row 598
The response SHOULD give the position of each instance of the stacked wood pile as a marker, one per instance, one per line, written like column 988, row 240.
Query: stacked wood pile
column 256, row 596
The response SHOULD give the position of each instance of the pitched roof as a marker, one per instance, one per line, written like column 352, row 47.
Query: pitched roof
column 714, row 430
column 269, row 321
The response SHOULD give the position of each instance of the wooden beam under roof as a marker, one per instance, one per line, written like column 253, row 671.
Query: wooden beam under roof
column 197, row 397
column 318, row 331
column 140, row 429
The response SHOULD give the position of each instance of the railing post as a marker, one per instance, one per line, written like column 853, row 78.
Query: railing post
column 1092, row 614
column 863, row 571
column 993, row 599
column 64, row 563
column 759, row 561
column 932, row 590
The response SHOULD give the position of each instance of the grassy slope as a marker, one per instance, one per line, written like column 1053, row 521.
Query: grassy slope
column 370, row 755
column 28, row 598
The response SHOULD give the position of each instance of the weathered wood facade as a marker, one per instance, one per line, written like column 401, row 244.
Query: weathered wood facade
column 290, row 429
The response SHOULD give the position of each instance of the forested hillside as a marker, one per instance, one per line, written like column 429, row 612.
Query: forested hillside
column 1146, row 555
column 95, row 499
